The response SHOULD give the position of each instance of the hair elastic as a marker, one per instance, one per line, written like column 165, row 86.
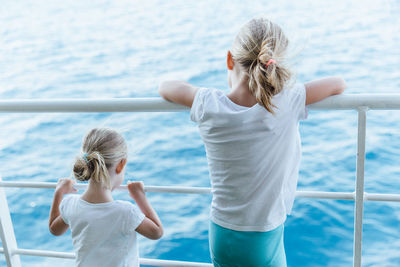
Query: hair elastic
column 84, row 156
column 271, row 61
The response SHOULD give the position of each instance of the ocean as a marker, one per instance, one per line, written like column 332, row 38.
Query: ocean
column 104, row 49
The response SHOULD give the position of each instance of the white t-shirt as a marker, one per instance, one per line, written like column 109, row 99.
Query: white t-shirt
column 253, row 157
column 103, row 234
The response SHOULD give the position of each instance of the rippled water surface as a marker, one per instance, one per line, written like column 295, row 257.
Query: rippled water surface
column 87, row 49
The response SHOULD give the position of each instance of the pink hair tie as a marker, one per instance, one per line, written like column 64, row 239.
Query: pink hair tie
column 271, row 61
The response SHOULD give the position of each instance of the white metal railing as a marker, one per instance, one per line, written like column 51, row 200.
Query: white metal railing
column 361, row 103
column 207, row 190
column 341, row 102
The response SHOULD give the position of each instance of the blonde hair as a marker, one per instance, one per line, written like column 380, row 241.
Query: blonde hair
column 259, row 42
column 102, row 148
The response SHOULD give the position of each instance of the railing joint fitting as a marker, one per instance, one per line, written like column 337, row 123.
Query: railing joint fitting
column 362, row 108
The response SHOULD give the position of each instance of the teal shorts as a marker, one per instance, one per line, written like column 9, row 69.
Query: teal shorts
column 231, row 248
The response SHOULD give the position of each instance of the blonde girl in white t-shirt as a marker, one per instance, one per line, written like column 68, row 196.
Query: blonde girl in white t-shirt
column 252, row 141
column 103, row 229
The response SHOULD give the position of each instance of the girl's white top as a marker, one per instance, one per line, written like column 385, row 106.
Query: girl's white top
column 253, row 157
column 103, row 234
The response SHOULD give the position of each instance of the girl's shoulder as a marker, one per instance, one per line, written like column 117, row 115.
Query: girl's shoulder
column 69, row 199
column 295, row 98
column 133, row 217
column 206, row 99
column 297, row 89
column 123, row 204
column 127, row 207
column 68, row 206
column 205, row 92
column 290, row 95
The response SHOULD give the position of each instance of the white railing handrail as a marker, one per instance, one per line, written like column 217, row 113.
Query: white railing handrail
column 157, row 104
column 142, row 261
column 207, row 190
column 82, row 186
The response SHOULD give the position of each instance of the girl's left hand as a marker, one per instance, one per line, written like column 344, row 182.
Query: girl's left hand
column 136, row 189
column 65, row 186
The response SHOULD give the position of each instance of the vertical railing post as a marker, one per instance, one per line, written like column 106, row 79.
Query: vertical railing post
column 359, row 192
column 7, row 232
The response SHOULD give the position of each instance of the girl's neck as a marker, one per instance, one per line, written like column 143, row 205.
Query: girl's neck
column 241, row 95
column 96, row 193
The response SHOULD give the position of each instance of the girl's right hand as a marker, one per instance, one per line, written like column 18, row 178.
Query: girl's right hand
column 65, row 186
column 135, row 189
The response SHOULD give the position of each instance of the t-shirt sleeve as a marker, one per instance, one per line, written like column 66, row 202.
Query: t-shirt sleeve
column 134, row 217
column 197, row 109
column 64, row 208
column 298, row 101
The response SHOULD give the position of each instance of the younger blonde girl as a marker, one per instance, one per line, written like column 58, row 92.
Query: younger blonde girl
column 103, row 229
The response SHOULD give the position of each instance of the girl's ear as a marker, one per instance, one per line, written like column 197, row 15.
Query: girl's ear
column 120, row 166
column 229, row 61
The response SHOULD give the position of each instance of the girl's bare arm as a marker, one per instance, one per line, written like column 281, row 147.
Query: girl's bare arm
column 57, row 226
column 318, row 90
column 151, row 227
column 179, row 92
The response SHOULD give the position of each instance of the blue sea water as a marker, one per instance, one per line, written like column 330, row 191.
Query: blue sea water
column 87, row 49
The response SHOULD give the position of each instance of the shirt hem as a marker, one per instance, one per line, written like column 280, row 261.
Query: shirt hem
column 141, row 219
column 248, row 228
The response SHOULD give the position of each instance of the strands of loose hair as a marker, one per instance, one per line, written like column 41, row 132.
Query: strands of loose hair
column 259, row 41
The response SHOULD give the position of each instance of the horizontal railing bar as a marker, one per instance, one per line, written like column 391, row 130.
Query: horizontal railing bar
column 44, row 253
column 382, row 197
column 159, row 189
column 154, row 104
column 326, row 195
column 177, row 189
column 207, row 190
column 143, row 261
column 354, row 101
column 157, row 104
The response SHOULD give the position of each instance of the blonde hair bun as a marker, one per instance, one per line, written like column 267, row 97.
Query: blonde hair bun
column 102, row 147
column 81, row 170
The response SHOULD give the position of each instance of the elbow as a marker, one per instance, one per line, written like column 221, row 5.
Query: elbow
column 165, row 87
column 54, row 232
column 157, row 233
column 161, row 89
column 341, row 85
column 160, row 232
column 51, row 230
column 169, row 89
